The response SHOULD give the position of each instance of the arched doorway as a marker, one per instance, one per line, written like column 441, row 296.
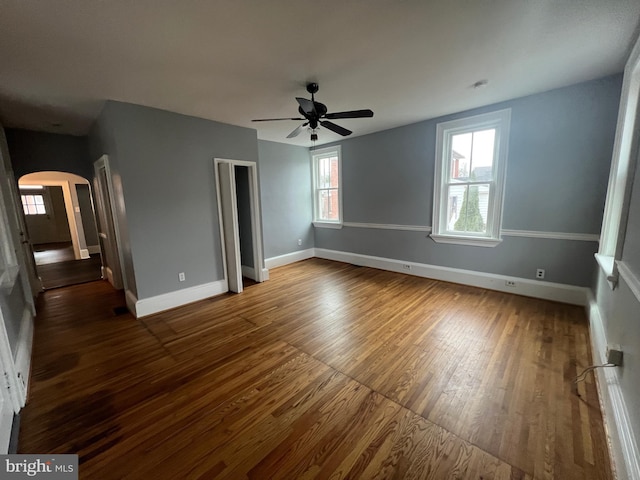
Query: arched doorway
column 60, row 220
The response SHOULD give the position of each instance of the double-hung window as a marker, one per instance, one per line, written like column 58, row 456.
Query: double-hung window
column 471, row 160
column 327, row 197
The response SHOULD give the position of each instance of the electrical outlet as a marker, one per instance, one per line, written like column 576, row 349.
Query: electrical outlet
column 509, row 283
column 406, row 266
column 540, row 273
column 299, row 241
column 614, row 355
column 181, row 276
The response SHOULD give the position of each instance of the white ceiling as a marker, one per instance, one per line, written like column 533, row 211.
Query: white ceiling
column 235, row 60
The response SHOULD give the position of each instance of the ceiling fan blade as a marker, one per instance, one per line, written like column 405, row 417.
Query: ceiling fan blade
column 336, row 128
column 297, row 131
column 307, row 106
column 350, row 114
column 275, row 119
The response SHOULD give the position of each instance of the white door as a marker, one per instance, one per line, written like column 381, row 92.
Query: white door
column 6, row 416
column 231, row 235
column 106, row 226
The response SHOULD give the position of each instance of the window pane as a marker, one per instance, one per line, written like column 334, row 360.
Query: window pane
column 30, row 200
column 26, row 209
column 328, row 205
column 482, row 155
column 328, row 172
column 32, row 209
column 467, row 208
column 39, row 200
column 40, row 209
column 460, row 156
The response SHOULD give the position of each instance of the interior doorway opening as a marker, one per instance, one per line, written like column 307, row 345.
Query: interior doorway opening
column 240, row 224
column 60, row 221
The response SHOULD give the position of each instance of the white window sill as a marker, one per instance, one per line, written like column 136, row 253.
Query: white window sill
column 461, row 240
column 608, row 267
column 335, row 225
column 8, row 277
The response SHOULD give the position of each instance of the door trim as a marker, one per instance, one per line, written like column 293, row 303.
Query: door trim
column 261, row 273
column 118, row 279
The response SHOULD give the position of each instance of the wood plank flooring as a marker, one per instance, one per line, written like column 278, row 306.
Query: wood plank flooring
column 325, row 371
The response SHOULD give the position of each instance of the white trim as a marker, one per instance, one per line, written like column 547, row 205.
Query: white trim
column 531, row 288
column 390, row 226
column 315, row 156
column 500, row 120
column 256, row 215
column 7, row 363
column 609, row 268
column 108, row 274
column 131, row 301
column 166, row 301
column 335, row 225
column 248, row 272
column 93, row 249
column 630, row 279
column 265, row 274
column 464, row 240
column 23, row 353
column 119, row 280
column 581, row 237
column 623, row 449
column 288, row 258
column 8, row 277
column 625, row 151
column 84, row 253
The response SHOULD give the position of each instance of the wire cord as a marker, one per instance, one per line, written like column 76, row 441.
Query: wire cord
column 583, row 375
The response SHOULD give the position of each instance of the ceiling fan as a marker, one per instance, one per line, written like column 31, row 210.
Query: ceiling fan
column 315, row 114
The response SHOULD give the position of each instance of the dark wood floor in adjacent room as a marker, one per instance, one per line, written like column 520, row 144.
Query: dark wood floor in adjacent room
column 325, row 371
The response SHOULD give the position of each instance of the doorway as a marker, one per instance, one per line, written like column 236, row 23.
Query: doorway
column 240, row 223
column 59, row 217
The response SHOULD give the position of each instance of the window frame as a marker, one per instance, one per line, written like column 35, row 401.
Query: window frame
column 316, row 155
column 29, row 193
column 500, row 120
column 625, row 150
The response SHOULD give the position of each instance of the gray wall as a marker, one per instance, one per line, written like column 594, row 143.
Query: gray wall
column 87, row 215
column 285, row 189
column 164, row 164
column 102, row 141
column 243, row 198
column 42, row 152
column 559, row 155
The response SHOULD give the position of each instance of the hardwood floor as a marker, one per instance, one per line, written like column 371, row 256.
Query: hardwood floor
column 57, row 267
column 325, row 371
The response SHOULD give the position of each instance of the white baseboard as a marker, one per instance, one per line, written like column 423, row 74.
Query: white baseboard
column 93, row 249
column 265, row 274
column 624, row 451
column 131, row 300
column 84, row 254
column 248, row 272
column 530, row 288
column 160, row 303
column 288, row 258
column 23, row 352
column 109, row 274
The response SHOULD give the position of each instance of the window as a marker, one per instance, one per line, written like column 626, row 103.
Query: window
column 327, row 198
column 33, row 204
column 471, row 159
column 625, row 150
